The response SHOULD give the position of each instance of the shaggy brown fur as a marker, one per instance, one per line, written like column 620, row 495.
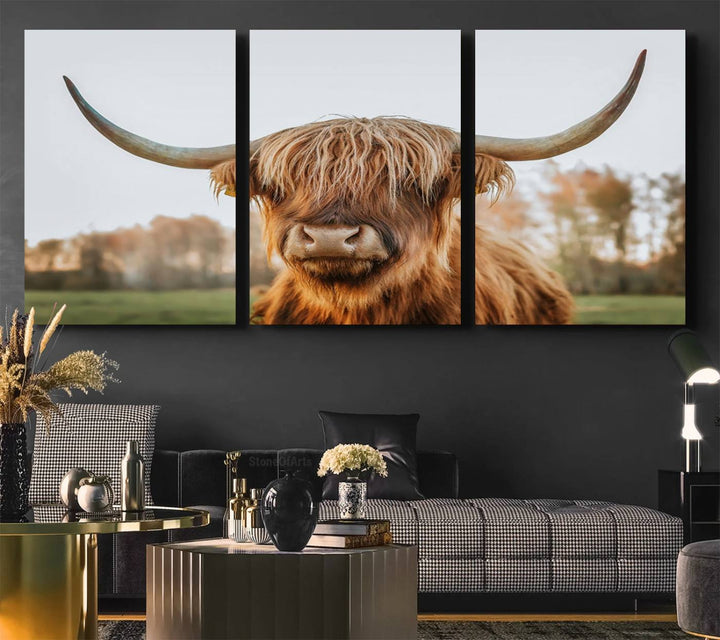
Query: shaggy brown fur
column 513, row 287
column 222, row 179
column 501, row 265
column 402, row 177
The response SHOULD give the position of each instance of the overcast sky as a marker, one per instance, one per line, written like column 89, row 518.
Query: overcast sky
column 534, row 83
column 176, row 87
column 298, row 77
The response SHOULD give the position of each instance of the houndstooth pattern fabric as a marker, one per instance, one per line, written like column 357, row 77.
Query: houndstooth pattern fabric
column 500, row 545
column 91, row 436
column 582, row 575
column 584, row 534
column 518, row 575
column 49, row 513
column 440, row 520
column 453, row 575
column 647, row 574
column 659, row 540
column 513, row 529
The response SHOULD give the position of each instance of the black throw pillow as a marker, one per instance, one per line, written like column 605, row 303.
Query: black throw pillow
column 394, row 436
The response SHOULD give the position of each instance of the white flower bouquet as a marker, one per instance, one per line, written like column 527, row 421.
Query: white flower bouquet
column 352, row 459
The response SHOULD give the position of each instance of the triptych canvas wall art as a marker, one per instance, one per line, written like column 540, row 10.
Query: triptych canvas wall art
column 354, row 177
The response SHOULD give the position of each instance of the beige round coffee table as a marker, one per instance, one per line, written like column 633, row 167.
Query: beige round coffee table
column 48, row 567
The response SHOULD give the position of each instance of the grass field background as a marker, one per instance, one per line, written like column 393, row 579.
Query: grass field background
column 217, row 306
column 629, row 310
column 187, row 306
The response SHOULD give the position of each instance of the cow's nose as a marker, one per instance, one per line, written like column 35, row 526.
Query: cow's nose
column 331, row 240
column 335, row 241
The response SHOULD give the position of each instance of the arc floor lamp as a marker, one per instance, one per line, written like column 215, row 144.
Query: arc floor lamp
column 697, row 368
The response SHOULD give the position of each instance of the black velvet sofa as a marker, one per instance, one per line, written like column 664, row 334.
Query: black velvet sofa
column 473, row 553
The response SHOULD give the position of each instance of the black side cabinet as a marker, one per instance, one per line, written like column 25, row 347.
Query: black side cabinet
column 694, row 497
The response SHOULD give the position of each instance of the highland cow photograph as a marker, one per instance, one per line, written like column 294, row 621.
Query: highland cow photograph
column 580, row 176
column 130, row 176
column 355, row 177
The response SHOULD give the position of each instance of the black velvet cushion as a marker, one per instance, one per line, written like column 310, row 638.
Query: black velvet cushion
column 202, row 477
column 394, row 436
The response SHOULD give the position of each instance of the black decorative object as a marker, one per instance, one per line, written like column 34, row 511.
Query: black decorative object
column 14, row 471
column 289, row 512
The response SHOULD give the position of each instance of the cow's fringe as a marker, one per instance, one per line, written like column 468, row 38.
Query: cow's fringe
column 278, row 167
column 348, row 159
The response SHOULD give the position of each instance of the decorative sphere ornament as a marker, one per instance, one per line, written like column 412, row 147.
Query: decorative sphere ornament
column 95, row 493
column 70, row 485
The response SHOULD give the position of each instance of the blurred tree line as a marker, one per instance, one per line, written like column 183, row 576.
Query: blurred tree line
column 605, row 232
column 170, row 253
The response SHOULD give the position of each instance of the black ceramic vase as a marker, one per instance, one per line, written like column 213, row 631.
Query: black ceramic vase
column 289, row 512
column 14, row 471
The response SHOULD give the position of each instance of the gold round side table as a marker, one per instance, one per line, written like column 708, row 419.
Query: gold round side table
column 48, row 566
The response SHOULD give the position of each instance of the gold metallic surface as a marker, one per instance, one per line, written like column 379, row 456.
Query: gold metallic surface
column 164, row 518
column 48, row 587
column 48, row 572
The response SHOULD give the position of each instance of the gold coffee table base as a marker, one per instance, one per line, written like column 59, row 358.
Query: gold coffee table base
column 48, row 587
column 48, row 566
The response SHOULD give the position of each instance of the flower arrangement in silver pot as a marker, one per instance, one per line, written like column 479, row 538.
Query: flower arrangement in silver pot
column 353, row 462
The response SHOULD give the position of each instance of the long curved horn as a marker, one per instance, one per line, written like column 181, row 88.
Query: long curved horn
column 572, row 138
column 186, row 157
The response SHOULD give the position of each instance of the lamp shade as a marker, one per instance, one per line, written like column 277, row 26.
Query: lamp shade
column 692, row 359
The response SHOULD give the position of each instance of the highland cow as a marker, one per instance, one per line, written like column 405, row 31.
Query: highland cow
column 362, row 212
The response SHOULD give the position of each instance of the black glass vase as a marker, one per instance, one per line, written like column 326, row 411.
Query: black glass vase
column 289, row 512
column 14, row 471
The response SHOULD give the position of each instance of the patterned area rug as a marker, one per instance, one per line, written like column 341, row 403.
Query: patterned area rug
column 548, row 630
column 431, row 630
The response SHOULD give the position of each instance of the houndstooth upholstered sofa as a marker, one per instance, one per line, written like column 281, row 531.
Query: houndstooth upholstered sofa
column 467, row 547
column 494, row 545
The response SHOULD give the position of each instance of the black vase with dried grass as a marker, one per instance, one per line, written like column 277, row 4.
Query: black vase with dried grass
column 14, row 471
column 27, row 387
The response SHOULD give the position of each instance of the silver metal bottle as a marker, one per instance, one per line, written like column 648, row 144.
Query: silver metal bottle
column 133, row 479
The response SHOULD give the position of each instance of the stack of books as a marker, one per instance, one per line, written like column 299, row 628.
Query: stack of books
column 351, row 534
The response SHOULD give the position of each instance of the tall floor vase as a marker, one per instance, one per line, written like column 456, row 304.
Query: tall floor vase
column 14, row 471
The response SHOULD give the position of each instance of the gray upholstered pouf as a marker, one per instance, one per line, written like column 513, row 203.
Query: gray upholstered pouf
column 698, row 588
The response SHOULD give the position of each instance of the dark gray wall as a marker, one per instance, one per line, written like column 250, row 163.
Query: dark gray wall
column 587, row 412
